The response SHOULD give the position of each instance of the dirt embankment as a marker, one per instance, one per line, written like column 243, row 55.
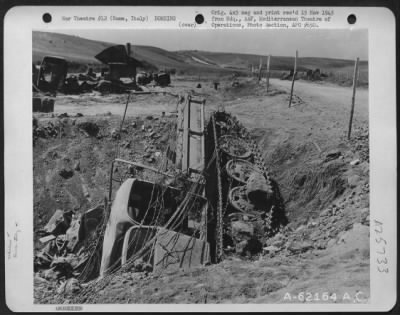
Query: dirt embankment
column 323, row 178
column 73, row 155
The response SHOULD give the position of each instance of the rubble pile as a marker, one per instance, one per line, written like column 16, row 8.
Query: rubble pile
column 51, row 129
column 67, row 241
column 82, row 84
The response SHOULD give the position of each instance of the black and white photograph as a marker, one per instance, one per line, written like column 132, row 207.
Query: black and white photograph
column 221, row 166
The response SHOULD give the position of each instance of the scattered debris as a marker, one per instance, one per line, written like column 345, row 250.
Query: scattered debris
column 59, row 223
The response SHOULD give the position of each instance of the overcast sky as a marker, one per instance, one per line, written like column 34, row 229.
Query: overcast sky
column 341, row 44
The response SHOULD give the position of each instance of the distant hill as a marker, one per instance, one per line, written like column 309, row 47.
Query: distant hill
column 81, row 51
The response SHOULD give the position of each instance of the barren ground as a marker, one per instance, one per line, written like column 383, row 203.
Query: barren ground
column 325, row 247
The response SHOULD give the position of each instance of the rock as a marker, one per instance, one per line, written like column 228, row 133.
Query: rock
column 58, row 223
column 66, row 172
column 50, row 274
column 77, row 166
column 312, row 224
column 279, row 242
column 71, row 286
column 297, row 247
column 315, row 235
column 321, row 245
column 331, row 242
column 353, row 180
column 157, row 154
column 355, row 162
column 325, row 212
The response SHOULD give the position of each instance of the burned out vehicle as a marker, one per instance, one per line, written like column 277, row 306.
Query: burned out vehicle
column 46, row 80
column 220, row 199
column 162, row 78
column 211, row 196
column 144, row 78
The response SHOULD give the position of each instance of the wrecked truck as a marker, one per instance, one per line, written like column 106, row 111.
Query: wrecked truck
column 220, row 199
column 46, row 80
column 211, row 196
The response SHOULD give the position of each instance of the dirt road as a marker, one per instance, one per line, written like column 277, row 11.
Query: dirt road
column 328, row 95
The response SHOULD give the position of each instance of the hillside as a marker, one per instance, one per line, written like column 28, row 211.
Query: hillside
column 81, row 51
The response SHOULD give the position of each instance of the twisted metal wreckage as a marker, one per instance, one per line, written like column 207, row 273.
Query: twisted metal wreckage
column 211, row 195
column 221, row 198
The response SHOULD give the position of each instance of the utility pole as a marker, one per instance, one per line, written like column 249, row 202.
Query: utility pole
column 353, row 98
column 268, row 73
column 294, row 77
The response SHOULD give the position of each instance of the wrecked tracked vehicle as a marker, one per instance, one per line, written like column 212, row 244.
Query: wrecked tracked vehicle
column 46, row 81
column 216, row 197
